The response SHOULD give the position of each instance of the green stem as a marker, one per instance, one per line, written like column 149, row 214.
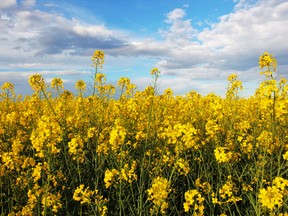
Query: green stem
column 94, row 83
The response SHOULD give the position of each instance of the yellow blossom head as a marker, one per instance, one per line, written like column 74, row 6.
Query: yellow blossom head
column 7, row 86
column 80, row 85
column 36, row 82
column 57, row 83
column 155, row 71
column 267, row 60
column 98, row 58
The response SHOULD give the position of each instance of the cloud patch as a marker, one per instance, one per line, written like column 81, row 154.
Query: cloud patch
column 232, row 44
column 7, row 4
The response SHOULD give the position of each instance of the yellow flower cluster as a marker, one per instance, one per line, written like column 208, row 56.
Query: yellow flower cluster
column 272, row 196
column 226, row 194
column 155, row 71
column 98, row 58
column 57, row 83
column 117, row 136
column 52, row 201
column 222, row 155
column 46, row 136
column 83, row 196
column 87, row 196
column 80, row 85
column 158, row 194
column 7, row 85
column 37, row 82
column 195, row 200
column 267, row 60
column 126, row 173
column 76, row 148
column 125, row 151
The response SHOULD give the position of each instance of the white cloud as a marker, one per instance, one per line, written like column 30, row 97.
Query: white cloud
column 4, row 4
column 233, row 44
column 176, row 14
column 28, row 3
column 92, row 31
column 180, row 30
column 30, row 35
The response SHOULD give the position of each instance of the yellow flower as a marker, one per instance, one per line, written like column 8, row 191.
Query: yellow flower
column 272, row 196
column 226, row 190
column 155, row 71
column 128, row 174
column 232, row 77
column 76, row 148
column 194, row 199
column 80, row 85
column 215, row 200
column 98, row 58
column 158, row 193
column 100, row 77
column 285, row 156
column 182, row 166
column 267, row 60
column 51, row 201
column 36, row 82
column 7, row 86
column 37, row 172
column 83, row 196
column 221, row 155
column 117, row 136
column 7, row 160
column 280, row 183
column 46, row 136
column 109, row 177
column 212, row 128
column 91, row 132
column 57, row 83
column 123, row 81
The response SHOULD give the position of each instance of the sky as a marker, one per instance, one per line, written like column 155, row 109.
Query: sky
column 195, row 44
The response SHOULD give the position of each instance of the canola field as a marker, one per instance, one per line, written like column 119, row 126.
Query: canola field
column 116, row 150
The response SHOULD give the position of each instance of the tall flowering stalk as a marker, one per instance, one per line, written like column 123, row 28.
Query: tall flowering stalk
column 97, row 62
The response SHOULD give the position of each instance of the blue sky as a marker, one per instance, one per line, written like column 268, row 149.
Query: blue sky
column 195, row 44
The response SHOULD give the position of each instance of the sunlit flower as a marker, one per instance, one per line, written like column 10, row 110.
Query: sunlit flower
column 98, row 58
column 222, row 154
column 36, row 82
column 158, row 193
column 80, row 85
column 57, row 83
column 155, row 71
column 194, row 200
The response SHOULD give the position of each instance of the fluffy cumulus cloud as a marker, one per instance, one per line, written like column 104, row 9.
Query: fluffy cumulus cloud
column 29, row 3
column 31, row 34
column 4, row 4
column 35, row 38
column 233, row 44
column 180, row 30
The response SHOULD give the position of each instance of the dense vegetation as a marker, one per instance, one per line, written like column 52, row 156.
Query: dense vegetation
column 121, row 151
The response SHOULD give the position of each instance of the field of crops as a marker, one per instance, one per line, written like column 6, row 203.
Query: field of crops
column 121, row 151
